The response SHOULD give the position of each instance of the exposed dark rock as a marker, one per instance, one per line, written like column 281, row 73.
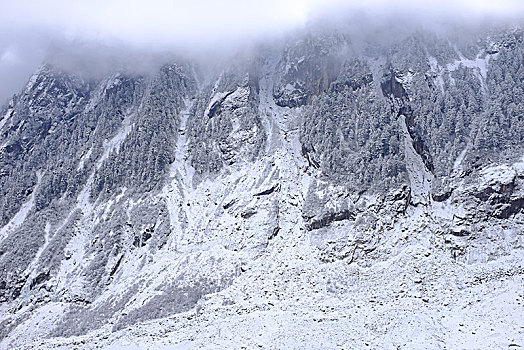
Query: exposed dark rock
column 353, row 84
column 514, row 206
column 229, row 204
column 268, row 191
column 295, row 98
column 418, row 143
column 423, row 151
column 248, row 213
column 501, row 198
column 460, row 233
column 142, row 239
column 274, row 233
column 117, row 265
column 391, row 87
column 216, row 108
column 500, row 193
column 39, row 279
column 442, row 197
column 14, row 148
column 305, row 153
column 307, row 72
column 329, row 219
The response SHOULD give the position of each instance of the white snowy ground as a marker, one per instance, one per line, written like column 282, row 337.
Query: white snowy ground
column 416, row 296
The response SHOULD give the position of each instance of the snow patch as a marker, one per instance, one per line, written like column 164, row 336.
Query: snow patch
column 479, row 65
column 5, row 118
column 457, row 165
column 116, row 141
column 404, row 78
column 26, row 289
column 32, row 81
column 438, row 72
column 502, row 174
column 36, row 327
column 419, row 177
column 83, row 159
column 181, row 172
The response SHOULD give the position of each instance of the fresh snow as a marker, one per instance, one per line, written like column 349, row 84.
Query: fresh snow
column 479, row 65
column 457, row 165
column 419, row 177
column 18, row 219
column 412, row 293
column 6, row 118
column 502, row 174
column 83, row 159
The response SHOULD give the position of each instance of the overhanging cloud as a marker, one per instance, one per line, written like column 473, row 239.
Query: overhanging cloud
column 28, row 28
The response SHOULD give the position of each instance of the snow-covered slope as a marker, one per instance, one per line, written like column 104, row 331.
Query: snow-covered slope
column 318, row 195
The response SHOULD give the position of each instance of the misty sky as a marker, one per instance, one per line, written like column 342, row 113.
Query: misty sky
column 30, row 29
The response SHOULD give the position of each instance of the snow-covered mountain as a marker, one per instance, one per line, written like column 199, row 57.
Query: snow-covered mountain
column 324, row 192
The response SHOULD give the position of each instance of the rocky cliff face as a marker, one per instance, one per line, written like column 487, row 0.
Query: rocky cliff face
column 367, row 194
